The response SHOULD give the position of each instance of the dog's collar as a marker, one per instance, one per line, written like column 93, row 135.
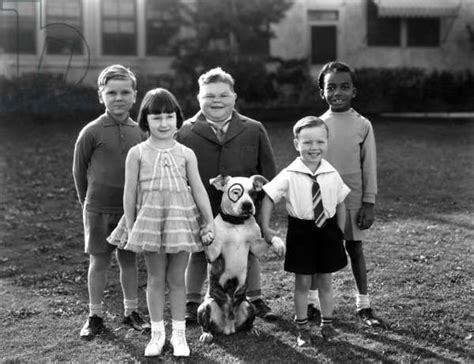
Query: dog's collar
column 236, row 220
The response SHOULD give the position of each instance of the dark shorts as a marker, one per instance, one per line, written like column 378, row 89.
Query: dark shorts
column 310, row 249
column 97, row 227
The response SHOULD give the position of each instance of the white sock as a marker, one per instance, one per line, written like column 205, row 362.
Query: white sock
column 95, row 309
column 158, row 326
column 313, row 298
column 178, row 325
column 362, row 301
column 130, row 306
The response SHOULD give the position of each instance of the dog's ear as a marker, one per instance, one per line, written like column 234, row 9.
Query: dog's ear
column 219, row 182
column 258, row 182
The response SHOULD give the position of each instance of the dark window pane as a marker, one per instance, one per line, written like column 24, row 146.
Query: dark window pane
column 381, row 31
column 323, row 44
column 64, row 27
column 20, row 23
column 423, row 32
column 119, row 27
column 162, row 26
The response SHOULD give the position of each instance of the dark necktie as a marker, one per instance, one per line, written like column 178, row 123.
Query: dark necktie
column 319, row 218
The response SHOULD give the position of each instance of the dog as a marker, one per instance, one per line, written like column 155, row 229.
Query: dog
column 225, row 309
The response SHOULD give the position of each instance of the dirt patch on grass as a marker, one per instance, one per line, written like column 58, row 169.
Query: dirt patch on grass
column 419, row 256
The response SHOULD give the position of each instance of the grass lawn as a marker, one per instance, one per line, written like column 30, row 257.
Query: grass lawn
column 419, row 255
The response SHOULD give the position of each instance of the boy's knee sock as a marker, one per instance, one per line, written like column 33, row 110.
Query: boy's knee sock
column 130, row 306
column 313, row 298
column 302, row 324
column 193, row 297
column 254, row 295
column 326, row 321
column 95, row 309
column 362, row 301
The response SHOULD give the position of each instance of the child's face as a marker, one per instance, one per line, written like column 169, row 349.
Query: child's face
column 338, row 91
column 312, row 144
column 217, row 100
column 162, row 126
column 118, row 96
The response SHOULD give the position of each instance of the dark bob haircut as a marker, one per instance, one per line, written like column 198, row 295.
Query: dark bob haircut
column 334, row 67
column 159, row 101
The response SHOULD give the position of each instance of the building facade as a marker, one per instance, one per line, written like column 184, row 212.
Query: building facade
column 77, row 38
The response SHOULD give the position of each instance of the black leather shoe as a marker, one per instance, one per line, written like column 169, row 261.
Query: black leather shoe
column 136, row 322
column 263, row 311
column 191, row 311
column 93, row 326
column 368, row 318
column 314, row 314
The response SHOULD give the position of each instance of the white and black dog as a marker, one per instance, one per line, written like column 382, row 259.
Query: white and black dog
column 225, row 309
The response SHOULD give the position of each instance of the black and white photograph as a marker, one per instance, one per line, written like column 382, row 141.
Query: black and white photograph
column 236, row 181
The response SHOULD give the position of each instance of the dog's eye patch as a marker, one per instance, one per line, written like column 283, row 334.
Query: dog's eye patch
column 235, row 192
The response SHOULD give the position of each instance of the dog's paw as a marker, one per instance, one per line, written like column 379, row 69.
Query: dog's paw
column 279, row 246
column 255, row 331
column 206, row 337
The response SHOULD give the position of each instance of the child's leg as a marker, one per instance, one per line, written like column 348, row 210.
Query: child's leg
column 254, row 290
column 97, row 280
column 129, row 279
column 302, row 284
column 359, row 269
column 155, row 293
column 326, row 297
column 177, row 293
column 196, row 273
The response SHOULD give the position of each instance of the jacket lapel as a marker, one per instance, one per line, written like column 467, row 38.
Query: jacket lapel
column 202, row 128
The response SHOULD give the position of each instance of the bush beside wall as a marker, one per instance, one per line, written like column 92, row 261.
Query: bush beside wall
column 284, row 91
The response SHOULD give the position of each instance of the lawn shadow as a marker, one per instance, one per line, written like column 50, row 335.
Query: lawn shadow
column 382, row 336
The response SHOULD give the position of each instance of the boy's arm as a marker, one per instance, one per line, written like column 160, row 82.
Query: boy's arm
column 269, row 235
column 83, row 150
column 369, row 166
column 266, row 158
column 132, row 167
column 341, row 216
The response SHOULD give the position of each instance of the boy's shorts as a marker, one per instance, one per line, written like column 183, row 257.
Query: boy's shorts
column 352, row 231
column 97, row 227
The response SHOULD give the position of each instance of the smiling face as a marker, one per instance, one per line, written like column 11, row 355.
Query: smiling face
column 118, row 96
column 312, row 143
column 338, row 91
column 162, row 126
column 216, row 100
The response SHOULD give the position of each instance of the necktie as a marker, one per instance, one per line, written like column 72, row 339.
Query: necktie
column 220, row 133
column 319, row 218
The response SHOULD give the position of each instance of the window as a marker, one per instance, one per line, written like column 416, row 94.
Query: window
column 423, row 32
column 64, row 27
column 323, row 43
column 162, row 27
column 119, row 27
column 382, row 31
column 18, row 27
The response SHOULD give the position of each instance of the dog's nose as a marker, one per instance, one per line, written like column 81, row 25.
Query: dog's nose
column 247, row 206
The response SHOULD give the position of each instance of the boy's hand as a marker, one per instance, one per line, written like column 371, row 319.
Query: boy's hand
column 279, row 246
column 365, row 218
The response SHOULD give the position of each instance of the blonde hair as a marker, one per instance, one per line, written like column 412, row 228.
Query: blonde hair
column 308, row 122
column 216, row 75
column 115, row 72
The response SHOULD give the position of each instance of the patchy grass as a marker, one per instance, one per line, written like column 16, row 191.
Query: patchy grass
column 419, row 256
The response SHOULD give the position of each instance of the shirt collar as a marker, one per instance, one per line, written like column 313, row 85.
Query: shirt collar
column 220, row 125
column 298, row 166
column 109, row 120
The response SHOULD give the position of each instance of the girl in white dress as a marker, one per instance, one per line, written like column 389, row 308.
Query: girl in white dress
column 166, row 214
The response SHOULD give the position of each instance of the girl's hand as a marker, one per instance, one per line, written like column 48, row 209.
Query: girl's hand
column 207, row 235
